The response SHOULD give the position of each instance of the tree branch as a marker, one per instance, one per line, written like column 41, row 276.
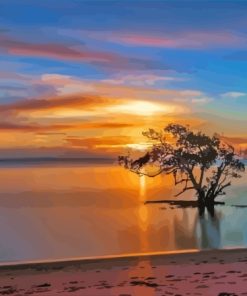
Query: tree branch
column 185, row 189
column 181, row 180
column 222, row 187
column 220, row 170
column 146, row 174
column 201, row 177
column 185, row 166
column 153, row 175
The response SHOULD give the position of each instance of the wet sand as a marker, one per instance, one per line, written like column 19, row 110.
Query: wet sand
column 203, row 273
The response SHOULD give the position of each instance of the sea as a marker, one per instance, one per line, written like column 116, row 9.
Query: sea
column 55, row 209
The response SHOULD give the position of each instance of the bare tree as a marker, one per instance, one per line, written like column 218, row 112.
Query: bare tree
column 198, row 162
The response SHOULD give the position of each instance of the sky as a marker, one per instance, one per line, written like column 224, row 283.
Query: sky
column 85, row 78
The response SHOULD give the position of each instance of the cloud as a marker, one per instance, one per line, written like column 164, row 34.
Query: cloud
column 109, row 125
column 140, row 79
column 70, row 101
column 201, row 100
column 182, row 39
column 233, row 95
column 99, row 116
column 51, row 134
column 99, row 142
column 86, row 107
column 80, row 53
column 235, row 140
column 122, row 88
column 47, row 129
column 84, row 97
column 238, row 142
column 8, row 126
column 53, row 50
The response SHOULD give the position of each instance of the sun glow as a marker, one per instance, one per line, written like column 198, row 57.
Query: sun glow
column 139, row 146
column 63, row 113
column 143, row 108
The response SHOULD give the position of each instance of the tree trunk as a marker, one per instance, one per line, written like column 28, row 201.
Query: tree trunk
column 201, row 202
column 209, row 204
column 201, row 209
column 201, row 197
column 210, row 208
column 205, row 202
column 209, row 201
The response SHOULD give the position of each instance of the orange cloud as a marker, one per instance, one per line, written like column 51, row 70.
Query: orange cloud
column 109, row 125
column 78, row 120
column 7, row 126
column 56, row 103
column 111, row 88
column 99, row 142
column 44, row 129
column 237, row 142
column 116, row 101
column 233, row 140
column 95, row 116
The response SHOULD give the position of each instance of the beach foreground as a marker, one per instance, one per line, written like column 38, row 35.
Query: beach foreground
column 220, row 272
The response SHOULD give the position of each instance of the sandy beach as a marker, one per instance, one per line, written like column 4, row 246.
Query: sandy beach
column 211, row 273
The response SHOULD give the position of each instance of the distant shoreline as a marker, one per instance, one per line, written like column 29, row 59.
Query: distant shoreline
column 58, row 161
column 65, row 159
column 54, row 160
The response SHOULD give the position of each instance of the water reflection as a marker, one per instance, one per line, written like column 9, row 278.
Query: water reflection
column 208, row 230
column 142, row 188
column 57, row 212
column 184, row 229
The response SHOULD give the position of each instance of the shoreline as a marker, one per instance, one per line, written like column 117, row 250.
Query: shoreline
column 208, row 272
column 89, row 259
column 92, row 259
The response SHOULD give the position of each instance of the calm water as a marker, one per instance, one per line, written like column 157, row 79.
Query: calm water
column 56, row 211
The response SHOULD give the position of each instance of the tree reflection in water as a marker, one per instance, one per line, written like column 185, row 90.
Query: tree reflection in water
column 208, row 229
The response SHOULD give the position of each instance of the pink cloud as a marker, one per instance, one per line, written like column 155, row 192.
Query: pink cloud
column 194, row 39
column 82, row 53
column 54, row 50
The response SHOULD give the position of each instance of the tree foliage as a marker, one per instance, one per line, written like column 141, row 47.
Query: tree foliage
column 196, row 161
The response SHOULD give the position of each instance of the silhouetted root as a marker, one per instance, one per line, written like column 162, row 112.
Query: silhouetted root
column 181, row 203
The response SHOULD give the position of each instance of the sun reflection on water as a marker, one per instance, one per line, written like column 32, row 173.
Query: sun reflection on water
column 143, row 216
column 142, row 186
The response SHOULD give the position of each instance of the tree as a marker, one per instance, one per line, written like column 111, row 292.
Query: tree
column 197, row 162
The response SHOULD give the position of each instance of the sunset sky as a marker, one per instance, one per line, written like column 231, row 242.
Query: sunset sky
column 85, row 78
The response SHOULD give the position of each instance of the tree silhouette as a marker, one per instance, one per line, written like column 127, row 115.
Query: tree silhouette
column 196, row 161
